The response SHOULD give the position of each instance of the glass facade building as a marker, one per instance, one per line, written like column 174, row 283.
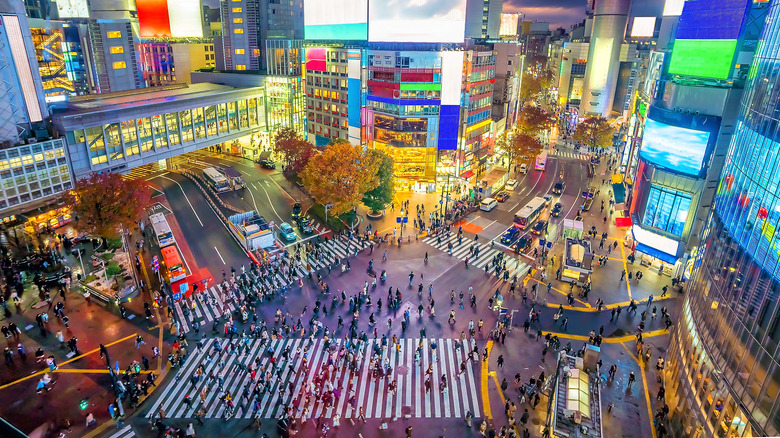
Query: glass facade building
column 32, row 172
column 724, row 367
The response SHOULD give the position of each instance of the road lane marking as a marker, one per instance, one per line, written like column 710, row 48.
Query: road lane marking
column 272, row 204
column 185, row 197
column 484, row 376
column 220, row 256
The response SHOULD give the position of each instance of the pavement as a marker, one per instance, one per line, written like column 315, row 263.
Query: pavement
column 478, row 390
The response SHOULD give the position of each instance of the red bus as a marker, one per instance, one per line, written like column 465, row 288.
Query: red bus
column 173, row 264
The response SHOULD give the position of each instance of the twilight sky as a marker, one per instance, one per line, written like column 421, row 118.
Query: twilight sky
column 560, row 13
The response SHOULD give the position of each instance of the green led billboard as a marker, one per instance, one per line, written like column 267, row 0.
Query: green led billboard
column 703, row 58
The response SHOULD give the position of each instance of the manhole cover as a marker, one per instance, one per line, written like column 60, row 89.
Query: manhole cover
column 406, row 410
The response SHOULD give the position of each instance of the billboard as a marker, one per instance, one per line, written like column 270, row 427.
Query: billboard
column 703, row 58
column 678, row 149
column 415, row 21
column 643, row 27
column 509, row 24
column 336, row 20
column 72, row 8
column 169, row 18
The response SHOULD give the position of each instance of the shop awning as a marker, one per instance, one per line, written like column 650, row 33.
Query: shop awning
column 466, row 175
column 660, row 255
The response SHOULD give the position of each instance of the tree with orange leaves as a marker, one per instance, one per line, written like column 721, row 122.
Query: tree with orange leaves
column 341, row 174
column 532, row 120
column 102, row 203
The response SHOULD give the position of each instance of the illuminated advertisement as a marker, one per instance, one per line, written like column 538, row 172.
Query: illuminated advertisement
column 654, row 67
column 678, row 142
column 643, row 27
column 166, row 18
column 442, row 21
column 72, row 8
column 315, row 59
column 335, row 20
column 673, row 8
column 509, row 24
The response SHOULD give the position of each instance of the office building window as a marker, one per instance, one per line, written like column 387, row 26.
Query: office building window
column 238, row 20
column 238, row 30
column 240, row 67
column 239, row 51
column 117, row 49
column 114, row 34
column 119, row 65
column 667, row 210
column 237, row 10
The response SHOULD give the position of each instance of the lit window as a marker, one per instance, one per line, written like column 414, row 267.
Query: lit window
column 238, row 30
column 238, row 20
column 119, row 64
column 239, row 51
column 115, row 34
column 240, row 67
column 237, row 10
column 117, row 49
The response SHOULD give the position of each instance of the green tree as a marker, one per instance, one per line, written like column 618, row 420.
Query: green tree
column 377, row 198
column 594, row 132
column 101, row 203
column 341, row 174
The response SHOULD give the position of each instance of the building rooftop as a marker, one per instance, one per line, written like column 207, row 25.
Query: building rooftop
column 141, row 97
column 577, row 410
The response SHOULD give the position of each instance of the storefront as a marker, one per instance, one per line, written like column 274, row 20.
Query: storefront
column 52, row 219
column 654, row 251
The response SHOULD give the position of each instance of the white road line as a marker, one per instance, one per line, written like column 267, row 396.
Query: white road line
column 220, row 256
column 185, row 197
column 271, row 204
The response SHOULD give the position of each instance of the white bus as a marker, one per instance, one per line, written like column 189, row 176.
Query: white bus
column 162, row 231
column 541, row 161
column 216, row 179
column 527, row 215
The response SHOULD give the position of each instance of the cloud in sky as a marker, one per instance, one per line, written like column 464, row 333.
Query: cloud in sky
column 560, row 13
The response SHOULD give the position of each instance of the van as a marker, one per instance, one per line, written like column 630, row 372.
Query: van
column 488, row 204
column 523, row 169
column 511, row 184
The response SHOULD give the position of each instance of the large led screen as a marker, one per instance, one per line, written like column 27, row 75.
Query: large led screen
column 417, row 21
column 153, row 18
column 680, row 150
column 73, row 8
column 335, row 19
column 703, row 58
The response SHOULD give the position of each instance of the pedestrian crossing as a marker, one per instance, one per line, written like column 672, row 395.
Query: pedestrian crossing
column 487, row 251
column 143, row 172
column 206, row 306
column 573, row 155
column 125, row 432
column 354, row 387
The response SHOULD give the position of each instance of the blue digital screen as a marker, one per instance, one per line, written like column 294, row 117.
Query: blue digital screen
column 680, row 150
column 712, row 20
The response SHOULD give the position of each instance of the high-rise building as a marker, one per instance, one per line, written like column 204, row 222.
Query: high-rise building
column 723, row 372
column 114, row 34
column 168, row 61
column 248, row 24
column 477, row 134
column 33, row 165
column 483, row 18
column 62, row 57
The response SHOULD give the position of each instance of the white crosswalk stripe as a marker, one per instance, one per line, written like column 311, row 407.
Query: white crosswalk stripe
column 515, row 265
column 291, row 380
column 125, row 432
column 574, row 155
column 206, row 306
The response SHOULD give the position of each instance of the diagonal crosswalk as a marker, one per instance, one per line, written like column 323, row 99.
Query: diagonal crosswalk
column 204, row 307
column 296, row 380
column 515, row 265
column 125, row 432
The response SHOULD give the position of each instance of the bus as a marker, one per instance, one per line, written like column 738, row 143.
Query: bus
column 162, row 231
column 541, row 161
column 527, row 215
column 216, row 179
column 173, row 263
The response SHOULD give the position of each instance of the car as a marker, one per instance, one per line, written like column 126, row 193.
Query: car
column 511, row 184
column 557, row 209
column 510, row 235
column 547, row 198
column 589, row 192
column 502, row 196
column 304, row 224
column 522, row 244
column 558, row 187
column 523, row 168
column 296, row 211
column 587, row 204
column 266, row 164
column 539, row 228
column 286, row 232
